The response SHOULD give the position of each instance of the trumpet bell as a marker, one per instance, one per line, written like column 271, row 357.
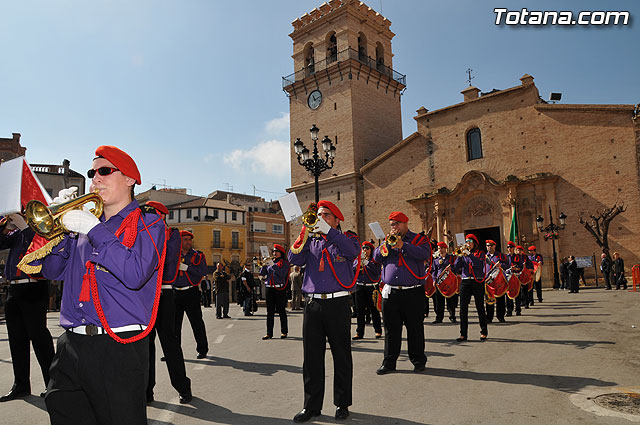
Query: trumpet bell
column 46, row 221
column 392, row 240
column 310, row 218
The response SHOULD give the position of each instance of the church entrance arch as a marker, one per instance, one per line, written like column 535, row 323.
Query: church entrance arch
column 485, row 233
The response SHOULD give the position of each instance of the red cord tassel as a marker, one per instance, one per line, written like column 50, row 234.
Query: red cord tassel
column 85, row 291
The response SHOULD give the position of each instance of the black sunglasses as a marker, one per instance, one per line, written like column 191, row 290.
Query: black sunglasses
column 103, row 171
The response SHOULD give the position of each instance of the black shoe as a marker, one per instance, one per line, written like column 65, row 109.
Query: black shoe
column 383, row 370
column 43, row 394
column 283, row 336
column 518, row 313
column 248, row 314
column 185, row 398
column 418, row 368
column 483, row 337
column 539, row 301
column 607, row 289
column 357, row 336
column 378, row 335
column 150, row 398
column 526, row 306
column 461, row 338
column 508, row 314
column 226, row 316
column 453, row 320
column 266, row 337
column 435, row 322
column 218, row 317
column 501, row 320
column 489, row 321
column 163, row 359
column 201, row 355
column 342, row 413
column 15, row 393
column 305, row 414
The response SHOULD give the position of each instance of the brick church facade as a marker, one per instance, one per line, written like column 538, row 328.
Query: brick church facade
column 466, row 164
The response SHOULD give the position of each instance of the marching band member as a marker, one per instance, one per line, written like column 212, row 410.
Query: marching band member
column 403, row 294
column 526, row 296
column 472, row 268
column 192, row 268
column 537, row 284
column 328, row 280
column 25, row 310
column 441, row 261
column 516, row 262
column 111, row 268
column 367, row 279
column 277, row 272
column 166, row 319
column 494, row 257
column 511, row 249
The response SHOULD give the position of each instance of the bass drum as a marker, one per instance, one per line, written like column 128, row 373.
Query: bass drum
column 526, row 278
column 429, row 286
column 497, row 284
column 513, row 284
column 448, row 283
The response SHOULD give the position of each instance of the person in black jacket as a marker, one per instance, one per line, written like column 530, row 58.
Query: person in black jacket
column 605, row 267
column 618, row 271
column 247, row 283
column 572, row 268
column 564, row 273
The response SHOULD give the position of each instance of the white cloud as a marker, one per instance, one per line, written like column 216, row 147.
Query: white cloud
column 270, row 158
column 278, row 126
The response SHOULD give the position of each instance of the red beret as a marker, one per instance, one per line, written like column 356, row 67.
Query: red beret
column 332, row 207
column 520, row 247
column 489, row 242
column 369, row 244
column 532, row 248
column 186, row 233
column 398, row 216
column 280, row 248
column 473, row 238
column 121, row 160
column 158, row 206
column 442, row 244
column 510, row 243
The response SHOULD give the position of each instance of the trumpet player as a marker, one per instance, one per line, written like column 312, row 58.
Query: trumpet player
column 439, row 264
column 403, row 298
column 25, row 310
column 111, row 268
column 276, row 270
column 471, row 264
column 328, row 280
column 367, row 279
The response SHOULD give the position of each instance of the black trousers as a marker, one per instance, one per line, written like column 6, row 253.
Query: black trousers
column 26, row 318
column 469, row 288
column 607, row 281
column 404, row 307
column 515, row 303
column 364, row 301
column 324, row 320
column 222, row 304
column 276, row 302
column 537, row 285
column 166, row 329
column 206, row 297
column 98, row 381
column 439, row 302
column 498, row 308
column 189, row 301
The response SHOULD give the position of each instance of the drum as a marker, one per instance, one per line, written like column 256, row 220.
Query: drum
column 526, row 277
column 429, row 287
column 537, row 271
column 377, row 297
column 513, row 284
column 496, row 282
column 448, row 283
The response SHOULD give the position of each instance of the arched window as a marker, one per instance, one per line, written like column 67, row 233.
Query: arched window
column 362, row 47
column 379, row 54
column 332, row 48
column 309, row 59
column 474, row 144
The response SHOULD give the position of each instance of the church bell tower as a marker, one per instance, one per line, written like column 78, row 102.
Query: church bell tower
column 343, row 83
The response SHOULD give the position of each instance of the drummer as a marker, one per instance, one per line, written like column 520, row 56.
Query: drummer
column 493, row 258
column 440, row 262
column 517, row 262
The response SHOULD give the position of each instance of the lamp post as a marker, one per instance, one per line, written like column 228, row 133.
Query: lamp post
column 316, row 163
column 551, row 232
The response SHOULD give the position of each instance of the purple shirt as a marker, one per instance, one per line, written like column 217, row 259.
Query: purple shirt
column 17, row 242
column 173, row 257
column 339, row 248
column 277, row 273
column 196, row 269
column 369, row 273
column 518, row 262
column 537, row 258
column 439, row 264
column 415, row 250
column 471, row 266
column 126, row 277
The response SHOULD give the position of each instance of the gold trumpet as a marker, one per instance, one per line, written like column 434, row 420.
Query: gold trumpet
column 392, row 240
column 47, row 220
column 261, row 261
column 461, row 252
column 310, row 218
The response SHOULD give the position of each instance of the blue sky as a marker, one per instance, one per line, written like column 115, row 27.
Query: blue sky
column 192, row 89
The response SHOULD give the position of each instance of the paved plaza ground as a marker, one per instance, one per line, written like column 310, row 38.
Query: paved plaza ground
column 544, row 367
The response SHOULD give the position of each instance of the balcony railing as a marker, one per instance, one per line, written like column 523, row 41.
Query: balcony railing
column 217, row 245
column 339, row 57
column 236, row 245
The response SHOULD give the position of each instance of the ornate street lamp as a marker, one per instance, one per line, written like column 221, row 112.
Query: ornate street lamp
column 315, row 163
column 552, row 232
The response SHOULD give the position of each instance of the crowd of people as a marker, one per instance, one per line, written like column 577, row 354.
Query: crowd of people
column 128, row 276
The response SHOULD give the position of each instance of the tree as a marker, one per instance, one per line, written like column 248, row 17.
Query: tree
column 597, row 224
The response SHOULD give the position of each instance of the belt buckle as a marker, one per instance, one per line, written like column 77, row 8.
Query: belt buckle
column 91, row 330
column 323, row 296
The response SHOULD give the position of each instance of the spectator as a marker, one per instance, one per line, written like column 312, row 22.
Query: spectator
column 564, row 273
column 605, row 268
column 221, row 288
column 618, row 271
column 572, row 268
column 296, row 283
column 205, row 287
